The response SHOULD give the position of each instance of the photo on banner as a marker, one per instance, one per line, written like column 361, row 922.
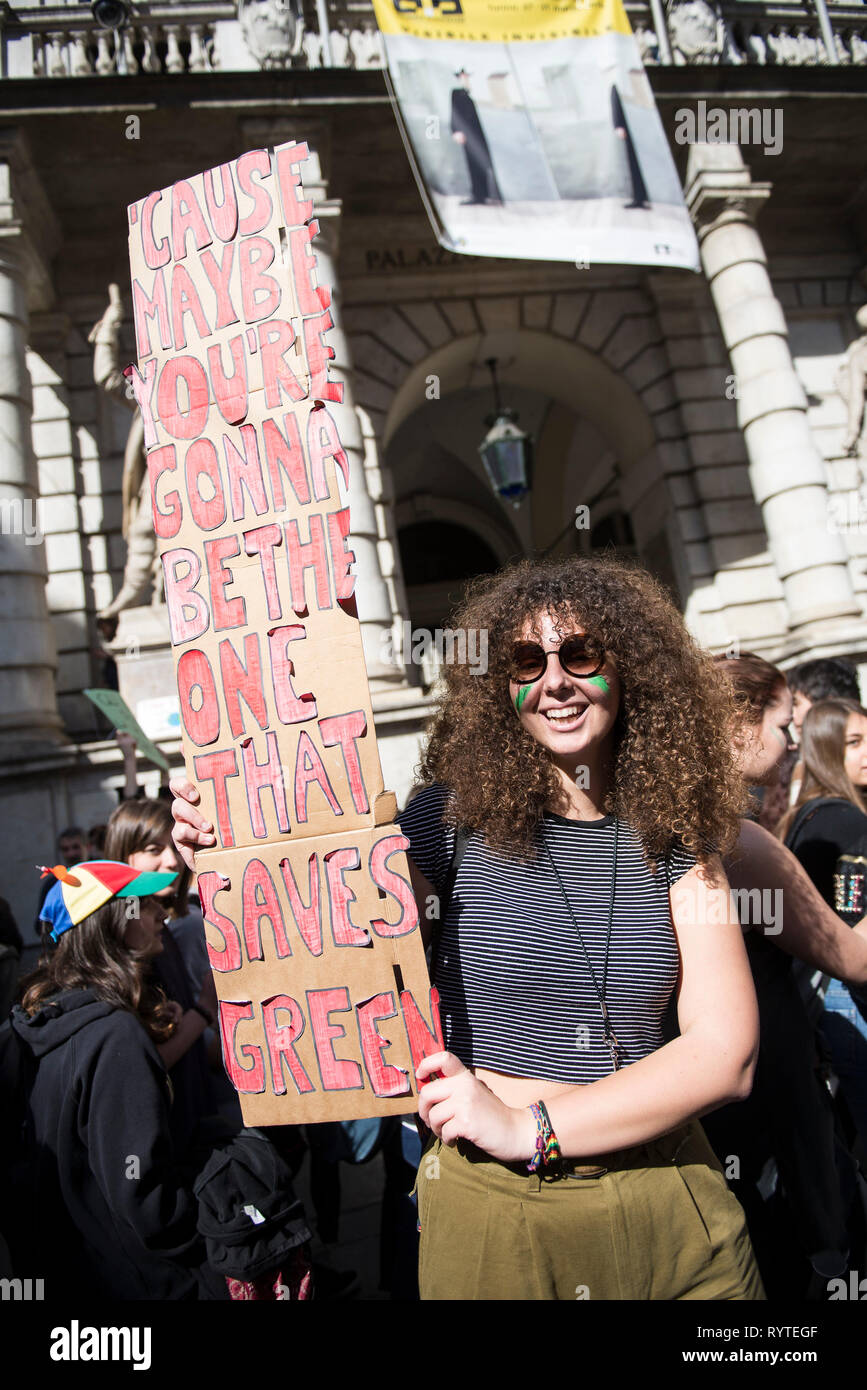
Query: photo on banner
column 534, row 131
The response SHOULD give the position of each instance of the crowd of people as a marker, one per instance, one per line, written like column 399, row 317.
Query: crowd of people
column 651, row 956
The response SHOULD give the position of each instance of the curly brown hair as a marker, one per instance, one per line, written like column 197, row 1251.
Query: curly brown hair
column 92, row 955
column 674, row 777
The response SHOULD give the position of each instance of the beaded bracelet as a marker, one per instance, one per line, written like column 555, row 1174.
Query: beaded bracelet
column 547, row 1144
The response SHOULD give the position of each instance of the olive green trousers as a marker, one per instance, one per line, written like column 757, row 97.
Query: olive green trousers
column 656, row 1222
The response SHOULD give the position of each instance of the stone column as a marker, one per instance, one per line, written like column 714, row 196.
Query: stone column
column 786, row 470
column 28, row 707
column 371, row 590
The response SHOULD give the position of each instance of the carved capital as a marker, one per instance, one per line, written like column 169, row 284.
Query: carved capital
column 720, row 188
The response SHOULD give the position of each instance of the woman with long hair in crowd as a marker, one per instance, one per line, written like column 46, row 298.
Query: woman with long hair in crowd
column 139, row 833
column 580, row 780
column 97, row 1189
column 827, row 830
column 801, row 1237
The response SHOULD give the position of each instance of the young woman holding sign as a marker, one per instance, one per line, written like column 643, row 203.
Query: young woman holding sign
column 590, row 773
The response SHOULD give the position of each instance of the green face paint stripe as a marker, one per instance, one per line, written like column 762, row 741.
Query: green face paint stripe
column 521, row 696
column 601, row 682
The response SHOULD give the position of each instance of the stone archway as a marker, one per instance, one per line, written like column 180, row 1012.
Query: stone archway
column 582, row 386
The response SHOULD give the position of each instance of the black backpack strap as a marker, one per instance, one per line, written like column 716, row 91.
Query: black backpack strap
column 462, row 839
column 806, row 814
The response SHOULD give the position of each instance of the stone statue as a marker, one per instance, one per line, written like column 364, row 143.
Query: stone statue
column 340, row 51
column 858, row 47
column 851, row 383
column 699, row 34
column 366, row 47
column 811, row 48
column 784, row 46
column 142, row 573
column 648, row 44
column 757, row 49
column 272, row 30
column 313, row 49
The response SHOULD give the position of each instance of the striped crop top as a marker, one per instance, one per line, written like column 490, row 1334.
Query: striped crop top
column 515, row 993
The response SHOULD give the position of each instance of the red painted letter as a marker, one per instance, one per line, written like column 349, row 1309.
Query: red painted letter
column 345, row 729
column 291, row 708
column 281, row 1043
column 228, row 612
column 385, row 1079
column 202, row 723
column 422, row 1042
column 261, row 775
column 181, row 597
column 310, row 554
column 323, row 442
column 260, row 900
column 216, row 768
column 310, row 768
column 338, row 1074
column 395, row 885
column 209, row 509
column 243, row 682
column 166, row 524
column 208, row 885
column 308, row 918
column 261, row 541
column 247, row 1079
column 344, row 931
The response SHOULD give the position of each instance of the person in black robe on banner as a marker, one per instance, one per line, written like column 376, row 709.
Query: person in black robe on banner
column 618, row 117
column 467, row 131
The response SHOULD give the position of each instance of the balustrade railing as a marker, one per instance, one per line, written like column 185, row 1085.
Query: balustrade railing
column 201, row 36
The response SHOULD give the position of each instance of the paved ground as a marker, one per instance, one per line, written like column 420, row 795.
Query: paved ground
column 358, row 1243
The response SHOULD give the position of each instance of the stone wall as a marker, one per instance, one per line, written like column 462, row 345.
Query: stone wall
column 661, row 337
column 78, row 439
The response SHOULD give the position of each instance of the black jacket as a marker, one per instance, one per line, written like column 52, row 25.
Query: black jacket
column 824, row 829
column 107, row 1212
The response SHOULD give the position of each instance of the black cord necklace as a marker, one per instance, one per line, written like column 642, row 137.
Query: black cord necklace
column 614, row 1046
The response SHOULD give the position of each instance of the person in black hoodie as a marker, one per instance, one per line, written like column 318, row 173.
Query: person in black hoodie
column 105, row 1207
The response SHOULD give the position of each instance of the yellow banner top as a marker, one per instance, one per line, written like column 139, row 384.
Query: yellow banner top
column 501, row 21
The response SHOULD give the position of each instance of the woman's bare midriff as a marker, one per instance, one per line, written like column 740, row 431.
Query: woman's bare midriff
column 518, row 1091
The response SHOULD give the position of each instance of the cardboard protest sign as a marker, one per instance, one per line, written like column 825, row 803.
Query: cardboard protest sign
column 118, row 712
column 312, row 929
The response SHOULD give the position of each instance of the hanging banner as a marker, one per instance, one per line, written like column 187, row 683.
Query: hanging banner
column 325, row 1006
column 534, row 131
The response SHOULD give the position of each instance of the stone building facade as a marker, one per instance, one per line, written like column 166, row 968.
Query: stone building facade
column 701, row 420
